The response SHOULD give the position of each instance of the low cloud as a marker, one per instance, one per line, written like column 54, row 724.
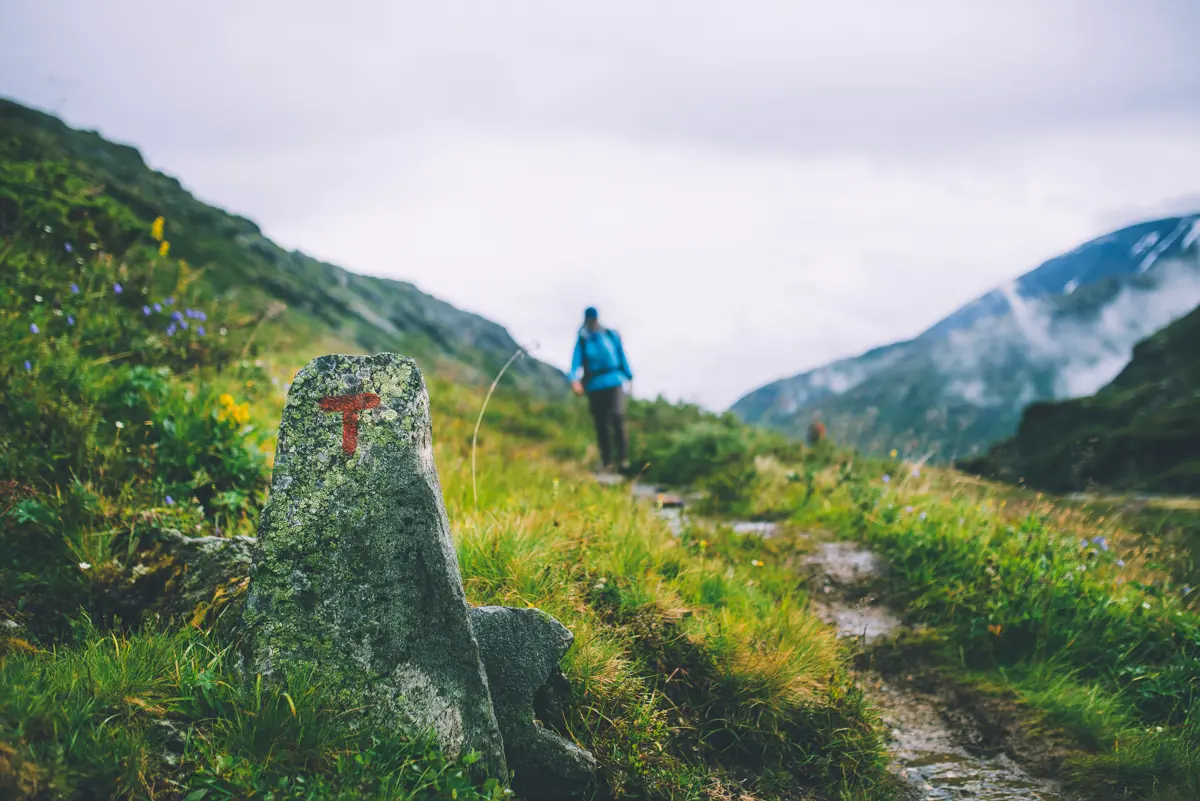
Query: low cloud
column 1082, row 353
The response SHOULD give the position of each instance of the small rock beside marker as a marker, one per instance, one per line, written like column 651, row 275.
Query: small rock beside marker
column 521, row 650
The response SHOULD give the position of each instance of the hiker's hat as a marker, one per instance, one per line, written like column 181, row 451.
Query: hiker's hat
column 590, row 313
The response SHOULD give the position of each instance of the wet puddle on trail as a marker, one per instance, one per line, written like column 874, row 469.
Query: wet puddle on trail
column 931, row 752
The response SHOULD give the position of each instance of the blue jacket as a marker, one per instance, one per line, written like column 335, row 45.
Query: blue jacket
column 606, row 363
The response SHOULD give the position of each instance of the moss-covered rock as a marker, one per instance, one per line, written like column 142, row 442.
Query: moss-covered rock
column 521, row 650
column 355, row 578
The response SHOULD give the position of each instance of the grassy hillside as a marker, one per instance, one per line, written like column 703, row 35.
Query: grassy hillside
column 1141, row 432
column 242, row 268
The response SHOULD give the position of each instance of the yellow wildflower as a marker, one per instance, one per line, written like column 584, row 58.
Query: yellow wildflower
column 164, row 248
column 703, row 543
column 156, row 230
column 893, row 453
column 231, row 410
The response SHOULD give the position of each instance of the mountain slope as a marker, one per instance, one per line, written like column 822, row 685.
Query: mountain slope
column 1061, row 331
column 243, row 266
column 1140, row 432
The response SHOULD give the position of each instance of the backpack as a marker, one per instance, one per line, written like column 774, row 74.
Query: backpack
column 588, row 374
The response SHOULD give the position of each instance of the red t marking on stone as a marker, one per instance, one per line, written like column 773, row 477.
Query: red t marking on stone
column 349, row 406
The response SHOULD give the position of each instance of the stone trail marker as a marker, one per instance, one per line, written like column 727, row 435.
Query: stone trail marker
column 355, row 576
column 355, row 581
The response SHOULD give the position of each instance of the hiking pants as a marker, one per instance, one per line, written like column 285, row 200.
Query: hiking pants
column 608, row 412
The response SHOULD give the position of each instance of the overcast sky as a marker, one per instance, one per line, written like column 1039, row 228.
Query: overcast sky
column 745, row 189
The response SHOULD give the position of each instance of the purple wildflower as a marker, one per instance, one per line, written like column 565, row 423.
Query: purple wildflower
column 170, row 301
column 146, row 310
column 33, row 328
column 200, row 330
column 74, row 289
column 886, row 478
column 908, row 510
column 1120, row 563
column 28, row 366
column 117, row 289
column 1083, row 543
column 922, row 515
column 201, row 315
column 171, row 330
column 170, row 500
column 183, row 324
column 158, row 307
column 916, row 473
column 176, row 316
column 67, row 247
column 70, row 320
column 1100, row 542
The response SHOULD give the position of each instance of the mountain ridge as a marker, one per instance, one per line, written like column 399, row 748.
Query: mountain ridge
column 1060, row 330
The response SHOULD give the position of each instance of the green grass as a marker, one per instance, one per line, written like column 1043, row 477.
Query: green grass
column 1074, row 608
column 162, row 713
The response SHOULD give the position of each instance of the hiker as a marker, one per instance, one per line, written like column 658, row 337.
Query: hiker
column 599, row 368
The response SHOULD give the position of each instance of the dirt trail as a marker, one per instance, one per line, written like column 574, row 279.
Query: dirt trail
column 943, row 752
column 940, row 749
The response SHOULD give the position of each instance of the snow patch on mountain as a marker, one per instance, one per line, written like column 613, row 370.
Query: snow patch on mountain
column 1192, row 235
column 1185, row 225
column 1146, row 241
